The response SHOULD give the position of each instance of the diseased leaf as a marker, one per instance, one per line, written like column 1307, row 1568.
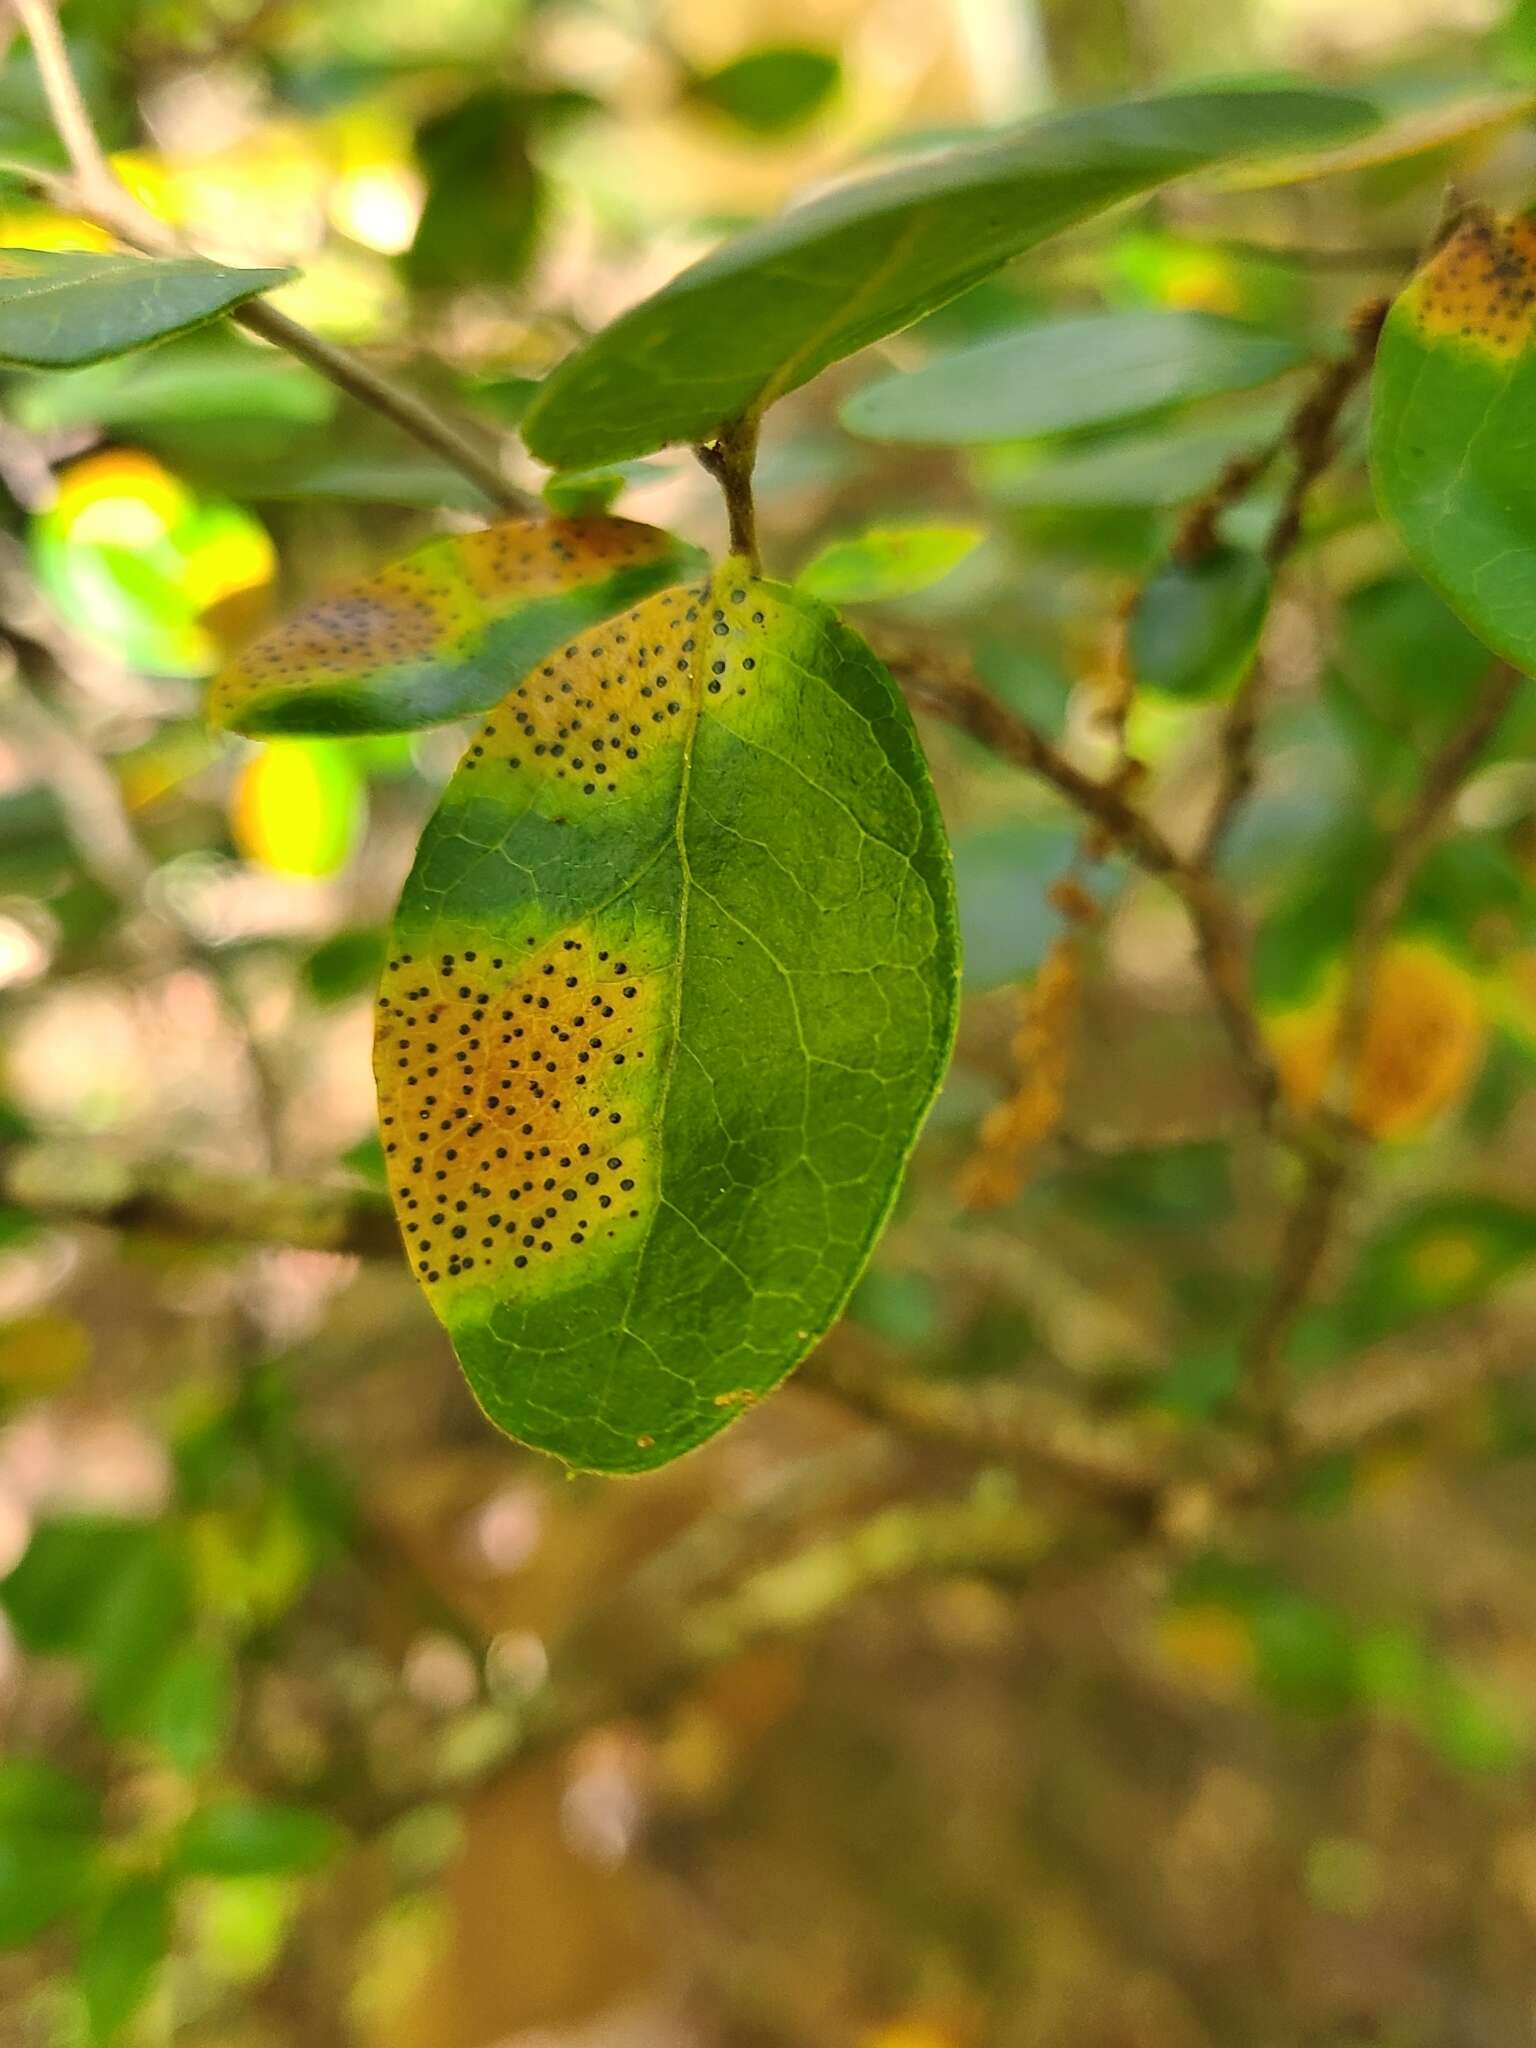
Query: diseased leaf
column 886, row 561
column 446, row 631
column 673, row 985
column 1063, row 375
column 1454, row 391
column 764, row 313
column 1196, row 625
column 60, row 309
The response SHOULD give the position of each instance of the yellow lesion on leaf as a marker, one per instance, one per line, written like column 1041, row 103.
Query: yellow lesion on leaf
column 1425, row 1032
column 1479, row 288
column 590, row 713
column 517, row 1085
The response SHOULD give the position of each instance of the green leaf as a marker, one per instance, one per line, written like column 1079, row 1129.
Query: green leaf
column 1196, row 625
column 1064, row 375
column 190, row 1711
column 1454, row 387
column 58, row 310
column 886, row 562
column 223, row 382
column 448, row 630
column 672, row 987
column 344, row 964
column 481, row 217
column 48, row 1826
column 772, row 90
column 767, row 311
column 133, row 1630
column 1166, row 468
column 247, row 1838
column 120, row 1954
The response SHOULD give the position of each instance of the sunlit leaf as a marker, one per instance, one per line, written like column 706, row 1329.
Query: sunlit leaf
column 1195, row 625
column 672, row 987
column 448, row 630
column 1063, row 375
column 886, row 562
column 772, row 90
column 1454, row 387
column 766, row 312
column 299, row 807
column 58, row 310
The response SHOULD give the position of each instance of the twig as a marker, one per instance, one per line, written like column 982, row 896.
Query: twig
column 730, row 460
column 1309, row 1226
column 96, row 193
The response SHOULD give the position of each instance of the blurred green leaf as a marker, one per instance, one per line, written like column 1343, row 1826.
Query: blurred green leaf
column 344, row 965
column 1195, row 627
column 120, row 1953
column 48, row 1846
column 247, row 1838
column 484, row 196
column 770, row 91
column 1165, row 468
column 1061, row 376
column 189, row 1712
column 59, row 309
column 886, row 562
column 1003, row 877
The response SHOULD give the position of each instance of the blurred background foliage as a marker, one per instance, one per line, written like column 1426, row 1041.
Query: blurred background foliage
column 272, row 1590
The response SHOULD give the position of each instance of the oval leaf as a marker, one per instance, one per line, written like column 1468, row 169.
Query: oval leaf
column 886, row 562
column 1196, row 624
column 1064, row 375
column 248, row 1838
column 1454, row 388
column 61, row 309
column 120, row 1953
column 764, row 313
column 448, row 630
column 772, row 90
column 673, row 986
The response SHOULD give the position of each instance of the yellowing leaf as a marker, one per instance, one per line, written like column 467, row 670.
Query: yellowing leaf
column 1424, row 1038
column 299, row 807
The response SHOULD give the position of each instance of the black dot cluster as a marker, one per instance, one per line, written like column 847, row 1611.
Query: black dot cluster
column 507, row 1124
column 1482, row 285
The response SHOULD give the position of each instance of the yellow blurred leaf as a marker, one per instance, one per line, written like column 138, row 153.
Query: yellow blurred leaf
column 299, row 807
column 1425, row 1034
column 41, row 1353
column 1210, row 1646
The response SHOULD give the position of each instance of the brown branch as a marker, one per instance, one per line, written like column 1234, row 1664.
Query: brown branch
column 730, row 460
column 96, row 193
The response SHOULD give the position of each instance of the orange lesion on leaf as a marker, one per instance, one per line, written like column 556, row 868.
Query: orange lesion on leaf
column 1480, row 287
column 433, row 601
column 517, row 1084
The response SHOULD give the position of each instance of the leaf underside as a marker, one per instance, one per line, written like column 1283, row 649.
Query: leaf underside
column 763, row 314
column 1453, row 449
column 62, row 309
column 447, row 630
column 671, row 987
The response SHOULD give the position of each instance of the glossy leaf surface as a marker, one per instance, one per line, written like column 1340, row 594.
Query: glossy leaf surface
column 1453, row 442
column 59, row 309
column 672, row 985
column 765, row 312
column 1064, row 375
column 446, row 631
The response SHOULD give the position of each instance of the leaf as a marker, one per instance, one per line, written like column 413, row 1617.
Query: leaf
column 1063, row 375
column 299, row 807
column 764, row 313
column 481, row 217
column 58, row 310
column 120, row 1954
column 446, row 631
column 771, row 90
column 673, row 985
column 1196, row 625
column 886, row 562
column 48, row 1828
column 1408, row 129
column 247, row 1838
column 191, row 1708
column 1165, row 468
column 1454, row 385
